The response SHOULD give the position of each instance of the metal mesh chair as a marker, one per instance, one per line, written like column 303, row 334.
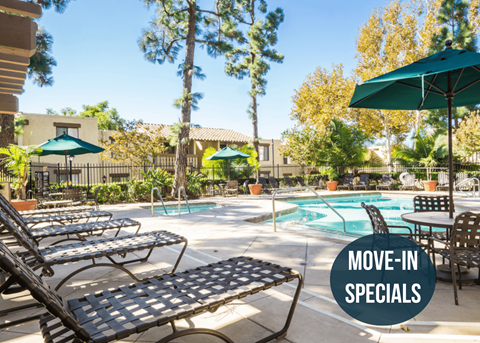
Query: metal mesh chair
column 58, row 210
column 409, row 183
column 379, row 226
column 115, row 314
column 288, row 182
column 423, row 203
column 273, row 182
column 364, row 182
column 443, row 182
column 265, row 187
column 463, row 249
column 347, row 182
column 386, row 182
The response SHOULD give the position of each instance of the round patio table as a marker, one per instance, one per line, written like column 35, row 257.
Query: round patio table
column 441, row 220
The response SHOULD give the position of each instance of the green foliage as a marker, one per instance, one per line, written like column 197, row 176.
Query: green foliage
column 195, row 183
column 241, row 168
column 17, row 160
column 108, row 119
column 156, row 177
column 41, row 62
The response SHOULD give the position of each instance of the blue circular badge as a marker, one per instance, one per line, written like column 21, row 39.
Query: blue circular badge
column 382, row 279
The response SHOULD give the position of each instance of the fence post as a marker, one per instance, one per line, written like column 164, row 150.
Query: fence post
column 278, row 170
column 88, row 179
column 58, row 173
column 30, row 183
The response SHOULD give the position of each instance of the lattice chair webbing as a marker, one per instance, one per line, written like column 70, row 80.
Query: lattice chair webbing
column 378, row 222
column 422, row 203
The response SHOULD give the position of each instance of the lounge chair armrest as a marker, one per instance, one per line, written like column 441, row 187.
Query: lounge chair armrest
column 433, row 239
column 401, row 227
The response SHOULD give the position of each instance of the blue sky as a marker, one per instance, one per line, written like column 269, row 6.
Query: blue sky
column 95, row 45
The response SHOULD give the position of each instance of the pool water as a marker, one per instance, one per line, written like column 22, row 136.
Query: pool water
column 173, row 209
column 314, row 214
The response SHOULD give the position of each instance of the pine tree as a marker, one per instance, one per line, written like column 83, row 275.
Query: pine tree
column 252, row 60
column 183, row 23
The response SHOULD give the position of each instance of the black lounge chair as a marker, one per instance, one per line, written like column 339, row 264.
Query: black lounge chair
column 347, row 183
column 301, row 181
column 409, row 183
column 53, row 211
column 364, row 182
column 443, row 182
column 379, row 226
column 288, row 182
column 386, row 182
column 47, row 257
column 273, row 182
column 265, row 187
column 115, row 314
column 58, row 218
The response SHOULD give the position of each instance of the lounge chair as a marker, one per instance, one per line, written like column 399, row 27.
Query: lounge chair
column 379, row 226
column 231, row 188
column 74, row 194
column 459, row 178
column 57, row 218
column 347, row 183
column 386, row 182
column 265, row 187
column 462, row 246
column 273, row 182
column 364, row 182
column 288, row 182
column 52, row 211
column 301, row 181
column 443, row 182
column 46, row 258
column 116, row 314
column 409, row 183
column 78, row 230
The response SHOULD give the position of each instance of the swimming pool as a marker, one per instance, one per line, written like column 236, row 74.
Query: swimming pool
column 314, row 214
column 173, row 209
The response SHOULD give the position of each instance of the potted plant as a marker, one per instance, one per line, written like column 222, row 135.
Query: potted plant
column 17, row 160
column 332, row 176
column 255, row 189
column 429, row 162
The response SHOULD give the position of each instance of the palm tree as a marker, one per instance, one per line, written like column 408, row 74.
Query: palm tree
column 17, row 160
column 427, row 150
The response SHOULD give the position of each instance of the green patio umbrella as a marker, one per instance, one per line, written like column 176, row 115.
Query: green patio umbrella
column 446, row 79
column 68, row 145
column 227, row 154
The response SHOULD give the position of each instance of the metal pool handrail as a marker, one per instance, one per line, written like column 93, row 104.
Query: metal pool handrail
column 161, row 199
column 458, row 187
column 185, row 196
column 283, row 190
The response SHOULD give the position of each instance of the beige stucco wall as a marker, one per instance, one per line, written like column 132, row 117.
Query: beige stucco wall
column 280, row 167
column 41, row 128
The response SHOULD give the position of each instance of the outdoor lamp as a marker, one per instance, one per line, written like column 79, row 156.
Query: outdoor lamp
column 70, row 158
column 104, row 178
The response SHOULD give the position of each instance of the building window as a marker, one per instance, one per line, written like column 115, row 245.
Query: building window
column 71, row 131
column 286, row 160
column 263, row 152
column 265, row 174
column 120, row 177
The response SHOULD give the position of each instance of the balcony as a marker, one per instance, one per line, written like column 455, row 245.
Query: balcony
column 167, row 161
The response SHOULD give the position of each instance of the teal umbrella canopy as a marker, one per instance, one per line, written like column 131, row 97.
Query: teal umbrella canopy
column 68, row 145
column 227, row 153
column 425, row 84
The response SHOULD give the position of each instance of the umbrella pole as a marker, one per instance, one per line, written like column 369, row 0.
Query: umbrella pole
column 66, row 167
column 450, row 148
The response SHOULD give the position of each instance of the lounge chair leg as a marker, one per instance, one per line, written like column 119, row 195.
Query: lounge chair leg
column 200, row 331
column 282, row 333
column 179, row 257
column 94, row 266
column 22, row 321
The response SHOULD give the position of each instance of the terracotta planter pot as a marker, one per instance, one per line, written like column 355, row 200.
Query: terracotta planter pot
column 430, row 186
column 255, row 189
column 332, row 185
column 24, row 205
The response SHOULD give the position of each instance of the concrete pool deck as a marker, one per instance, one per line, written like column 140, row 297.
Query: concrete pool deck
column 223, row 232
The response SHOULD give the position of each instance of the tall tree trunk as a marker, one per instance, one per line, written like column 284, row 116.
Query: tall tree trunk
column 7, row 129
column 389, row 148
column 181, row 155
column 255, row 121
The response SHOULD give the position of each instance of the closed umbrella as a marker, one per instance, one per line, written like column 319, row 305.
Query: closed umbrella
column 443, row 80
column 68, row 145
column 227, row 154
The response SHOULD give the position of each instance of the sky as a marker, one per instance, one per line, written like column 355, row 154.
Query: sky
column 98, row 59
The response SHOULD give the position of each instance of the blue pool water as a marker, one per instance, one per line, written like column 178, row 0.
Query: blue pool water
column 173, row 209
column 314, row 214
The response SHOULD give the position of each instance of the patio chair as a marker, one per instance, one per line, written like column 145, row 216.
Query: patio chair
column 379, row 226
column 265, row 187
column 459, row 178
column 443, row 182
column 231, row 188
column 347, row 183
column 60, row 210
column 273, row 182
column 74, row 194
column 386, row 182
column 409, row 183
column 115, row 314
column 364, row 182
column 423, row 203
column 78, row 230
column 47, row 257
column 211, row 190
column 57, row 218
column 301, row 181
column 95, row 198
column 288, row 182
column 462, row 249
